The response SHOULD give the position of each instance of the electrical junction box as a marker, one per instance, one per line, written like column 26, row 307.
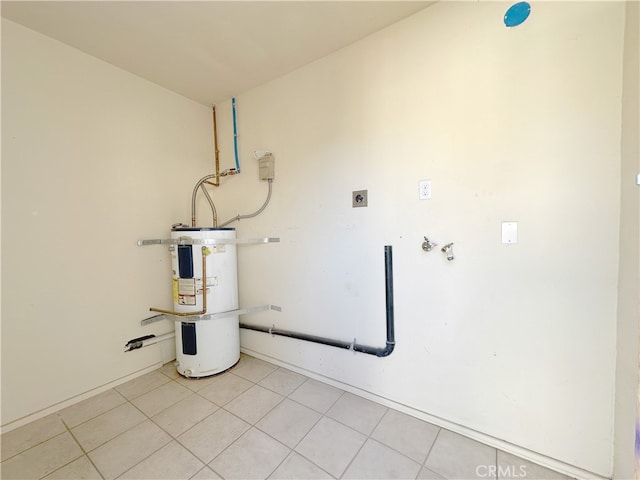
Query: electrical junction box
column 266, row 167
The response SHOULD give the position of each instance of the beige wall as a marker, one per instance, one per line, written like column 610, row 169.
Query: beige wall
column 629, row 276
column 516, row 342
column 93, row 159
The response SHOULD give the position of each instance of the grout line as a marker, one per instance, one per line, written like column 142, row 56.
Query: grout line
column 124, row 400
column 81, row 448
column 31, row 446
column 321, row 415
column 424, row 463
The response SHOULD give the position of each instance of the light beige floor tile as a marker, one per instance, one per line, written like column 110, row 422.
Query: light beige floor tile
column 42, row 459
column 79, row 469
column 331, row 445
column 512, row 467
column 206, row 474
column 197, row 384
column 171, row 462
column 170, row 370
column 255, row 455
column 107, row 426
column 126, row 450
column 377, row 461
column 183, row 415
column 215, row 433
column 296, row 467
column 153, row 402
column 356, row 412
column 426, row 474
column 253, row 404
column 289, row 422
column 316, row 395
column 410, row 436
column 141, row 385
column 456, row 457
column 225, row 388
column 252, row 369
column 30, row 435
column 282, row 381
column 91, row 407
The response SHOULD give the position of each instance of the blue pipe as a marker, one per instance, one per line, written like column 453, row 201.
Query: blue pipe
column 235, row 133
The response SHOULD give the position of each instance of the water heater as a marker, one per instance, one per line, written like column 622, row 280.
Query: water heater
column 208, row 342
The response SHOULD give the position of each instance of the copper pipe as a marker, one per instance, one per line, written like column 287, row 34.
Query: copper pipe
column 205, row 252
column 215, row 149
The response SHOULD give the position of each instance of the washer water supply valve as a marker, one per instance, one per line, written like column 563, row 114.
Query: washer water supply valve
column 428, row 245
column 448, row 249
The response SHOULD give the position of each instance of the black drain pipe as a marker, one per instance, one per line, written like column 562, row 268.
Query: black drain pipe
column 377, row 351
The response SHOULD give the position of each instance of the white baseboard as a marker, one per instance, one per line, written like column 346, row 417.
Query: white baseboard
column 75, row 399
column 547, row 462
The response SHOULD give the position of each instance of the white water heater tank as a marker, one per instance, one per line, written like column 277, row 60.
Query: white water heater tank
column 205, row 346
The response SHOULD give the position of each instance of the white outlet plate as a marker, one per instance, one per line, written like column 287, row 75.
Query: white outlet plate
column 424, row 189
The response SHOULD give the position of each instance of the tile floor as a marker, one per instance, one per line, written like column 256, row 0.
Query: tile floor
column 255, row 421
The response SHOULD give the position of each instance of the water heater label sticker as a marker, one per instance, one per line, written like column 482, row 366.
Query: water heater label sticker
column 219, row 248
column 186, row 291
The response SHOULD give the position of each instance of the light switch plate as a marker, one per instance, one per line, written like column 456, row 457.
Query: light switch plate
column 509, row 232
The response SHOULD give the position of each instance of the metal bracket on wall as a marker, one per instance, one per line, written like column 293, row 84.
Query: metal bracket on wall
column 206, row 241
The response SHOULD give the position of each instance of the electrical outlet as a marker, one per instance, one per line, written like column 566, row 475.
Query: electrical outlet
column 425, row 189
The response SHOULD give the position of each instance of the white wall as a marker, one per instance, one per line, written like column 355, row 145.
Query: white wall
column 629, row 276
column 522, row 124
column 93, row 159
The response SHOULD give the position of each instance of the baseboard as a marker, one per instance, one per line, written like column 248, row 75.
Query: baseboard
column 75, row 399
column 542, row 460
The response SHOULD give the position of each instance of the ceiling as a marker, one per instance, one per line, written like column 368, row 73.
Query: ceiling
column 208, row 50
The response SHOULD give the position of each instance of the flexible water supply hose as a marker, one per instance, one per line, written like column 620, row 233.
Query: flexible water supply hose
column 254, row 214
column 194, row 195
column 211, row 204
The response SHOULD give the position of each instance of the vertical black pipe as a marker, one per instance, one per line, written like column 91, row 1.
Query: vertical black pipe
column 389, row 307
column 388, row 283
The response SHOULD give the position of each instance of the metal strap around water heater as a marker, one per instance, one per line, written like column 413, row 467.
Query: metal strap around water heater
column 206, row 241
column 212, row 316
